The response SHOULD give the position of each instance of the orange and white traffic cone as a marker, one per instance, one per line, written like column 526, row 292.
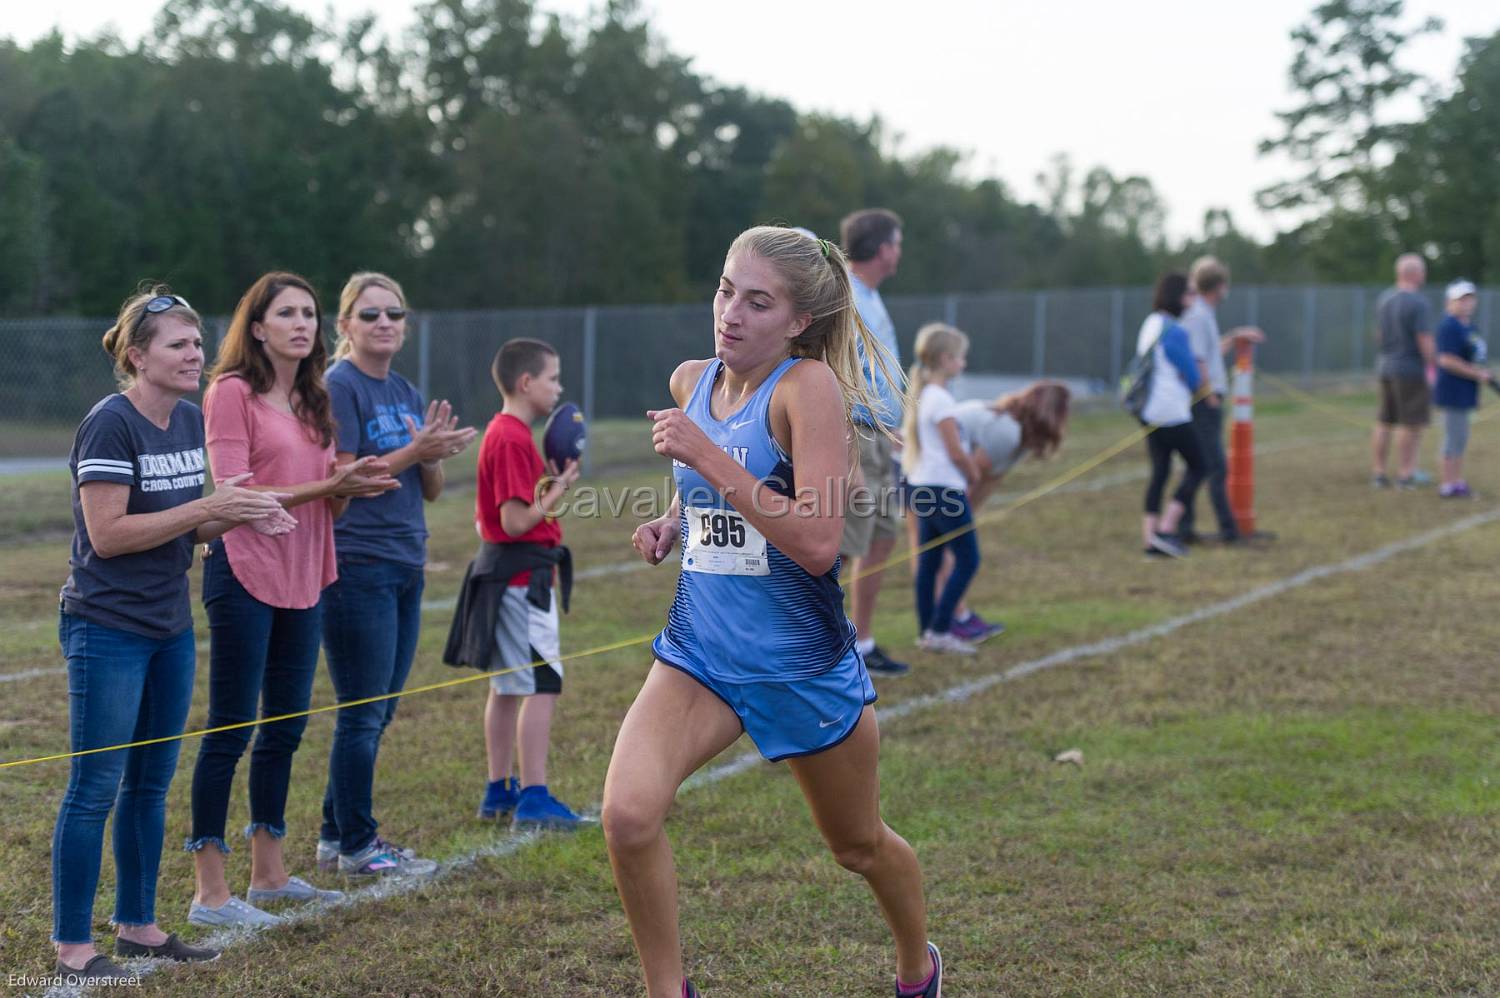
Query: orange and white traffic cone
column 1241, row 482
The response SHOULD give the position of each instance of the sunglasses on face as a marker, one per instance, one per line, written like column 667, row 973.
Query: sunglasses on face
column 158, row 305
column 373, row 314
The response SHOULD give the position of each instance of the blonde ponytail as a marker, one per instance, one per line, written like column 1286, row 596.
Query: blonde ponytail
column 935, row 342
column 817, row 281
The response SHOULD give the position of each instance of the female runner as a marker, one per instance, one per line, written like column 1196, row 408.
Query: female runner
column 756, row 638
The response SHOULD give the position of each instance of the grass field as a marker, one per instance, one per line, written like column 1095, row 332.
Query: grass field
column 1298, row 796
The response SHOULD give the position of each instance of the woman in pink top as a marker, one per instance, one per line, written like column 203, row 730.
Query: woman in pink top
column 267, row 415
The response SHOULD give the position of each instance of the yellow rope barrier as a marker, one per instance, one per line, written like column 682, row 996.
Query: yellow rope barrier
column 1072, row 474
column 1312, row 401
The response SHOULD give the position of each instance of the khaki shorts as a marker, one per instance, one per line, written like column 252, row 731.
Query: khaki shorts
column 874, row 510
column 1404, row 402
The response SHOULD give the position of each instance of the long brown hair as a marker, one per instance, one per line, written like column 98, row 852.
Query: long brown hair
column 242, row 354
column 1042, row 411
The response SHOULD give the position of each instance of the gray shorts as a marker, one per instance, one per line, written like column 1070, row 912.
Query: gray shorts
column 874, row 509
column 1455, row 431
column 526, row 635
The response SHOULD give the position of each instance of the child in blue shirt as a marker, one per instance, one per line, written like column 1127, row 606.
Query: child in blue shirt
column 1461, row 355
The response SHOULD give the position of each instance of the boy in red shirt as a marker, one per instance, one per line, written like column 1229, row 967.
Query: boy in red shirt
column 516, row 499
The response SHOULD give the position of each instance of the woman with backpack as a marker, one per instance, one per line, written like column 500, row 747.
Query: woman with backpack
column 1173, row 377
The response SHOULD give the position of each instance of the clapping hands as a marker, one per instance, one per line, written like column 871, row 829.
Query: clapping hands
column 439, row 436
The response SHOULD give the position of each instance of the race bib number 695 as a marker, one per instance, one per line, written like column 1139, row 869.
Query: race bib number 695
column 722, row 542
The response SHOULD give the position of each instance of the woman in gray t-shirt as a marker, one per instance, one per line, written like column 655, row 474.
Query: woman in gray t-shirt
column 126, row 627
column 999, row 434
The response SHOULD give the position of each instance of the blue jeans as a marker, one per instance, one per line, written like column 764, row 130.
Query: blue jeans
column 257, row 652
column 122, row 687
column 371, row 618
column 939, row 512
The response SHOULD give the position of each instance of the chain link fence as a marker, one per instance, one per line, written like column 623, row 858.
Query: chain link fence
column 616, row 359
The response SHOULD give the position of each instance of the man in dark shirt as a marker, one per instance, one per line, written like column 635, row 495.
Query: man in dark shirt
column 1404, row 324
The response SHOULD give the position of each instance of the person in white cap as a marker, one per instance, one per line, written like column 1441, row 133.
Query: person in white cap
column 1460, row 360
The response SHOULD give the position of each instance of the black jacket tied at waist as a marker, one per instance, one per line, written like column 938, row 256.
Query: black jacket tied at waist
column 471, row 638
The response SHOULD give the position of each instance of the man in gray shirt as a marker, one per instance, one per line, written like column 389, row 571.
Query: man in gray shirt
column 1405, row 330
column 872, row 242
column 1210, row 279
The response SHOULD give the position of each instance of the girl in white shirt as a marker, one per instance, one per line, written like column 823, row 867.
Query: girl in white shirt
column 940, row 471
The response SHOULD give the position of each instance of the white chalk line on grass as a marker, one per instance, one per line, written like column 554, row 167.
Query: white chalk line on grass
column 1107, row 646
column 395, row 887
column 380, row 890
column 1098, row 484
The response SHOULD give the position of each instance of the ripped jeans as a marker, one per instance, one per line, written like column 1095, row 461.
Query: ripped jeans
column 257, row 653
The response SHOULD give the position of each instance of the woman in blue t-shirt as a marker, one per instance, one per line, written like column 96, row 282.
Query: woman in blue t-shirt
column 126, row 627
column 1460, row 360
column 373, row 612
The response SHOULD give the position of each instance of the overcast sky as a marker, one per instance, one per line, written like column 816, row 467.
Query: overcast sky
column 1176, row 90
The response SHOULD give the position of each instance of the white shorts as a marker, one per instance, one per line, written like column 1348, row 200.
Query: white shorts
column 524, row 636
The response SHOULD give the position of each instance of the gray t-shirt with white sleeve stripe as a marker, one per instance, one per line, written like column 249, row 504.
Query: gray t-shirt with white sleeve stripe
column 144, row 592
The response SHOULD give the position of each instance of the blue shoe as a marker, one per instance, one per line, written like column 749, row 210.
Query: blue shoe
column 934, row 988
column 537, row 809
column 500, row 799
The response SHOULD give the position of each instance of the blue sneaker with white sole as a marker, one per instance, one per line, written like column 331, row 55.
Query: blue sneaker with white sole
column 537, row 809
column 500, row 799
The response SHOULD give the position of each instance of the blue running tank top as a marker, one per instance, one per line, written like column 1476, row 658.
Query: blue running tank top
column 744, row 612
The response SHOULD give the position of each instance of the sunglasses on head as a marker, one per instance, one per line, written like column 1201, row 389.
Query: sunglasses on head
column 393, row 313
column 158, row 305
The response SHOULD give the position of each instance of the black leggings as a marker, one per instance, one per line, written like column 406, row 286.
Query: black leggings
column 1160, row 445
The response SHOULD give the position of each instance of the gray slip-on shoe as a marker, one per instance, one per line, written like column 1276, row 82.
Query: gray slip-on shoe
column 295, row 889
column 231, row 912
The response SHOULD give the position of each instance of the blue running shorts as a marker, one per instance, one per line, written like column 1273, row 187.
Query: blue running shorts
column 795, row 718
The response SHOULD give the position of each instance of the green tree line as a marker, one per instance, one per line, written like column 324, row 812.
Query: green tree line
column 497, row 155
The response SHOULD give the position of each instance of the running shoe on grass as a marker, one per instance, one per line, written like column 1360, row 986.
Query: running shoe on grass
column 877, row 661
column 975, row 628
column 945, row 643
column 539, row 810
column 381, row 859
